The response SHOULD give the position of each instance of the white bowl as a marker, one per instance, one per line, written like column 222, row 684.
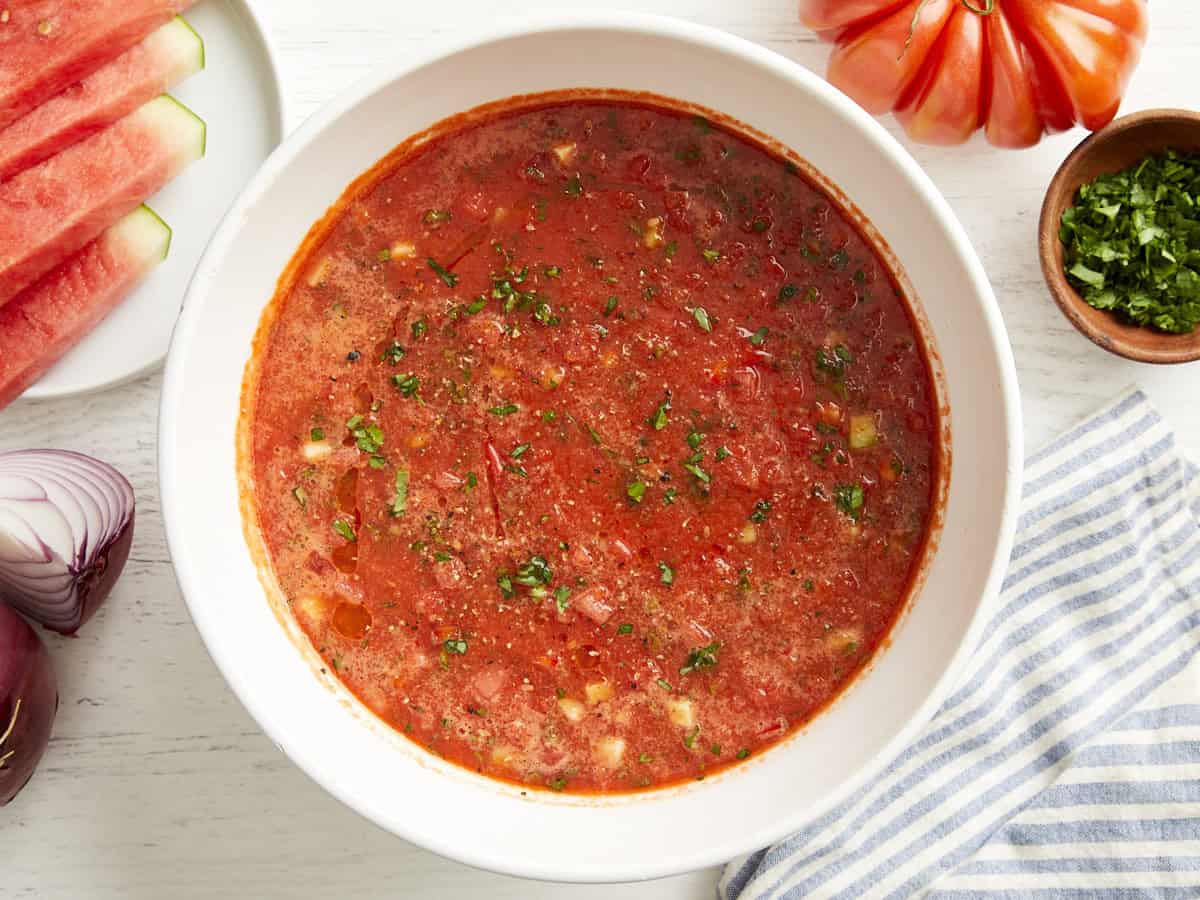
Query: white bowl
column 331, row 735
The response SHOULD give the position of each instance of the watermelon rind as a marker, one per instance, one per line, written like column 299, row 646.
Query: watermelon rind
column 177, row 125
column 145, row 233
column 186, row 43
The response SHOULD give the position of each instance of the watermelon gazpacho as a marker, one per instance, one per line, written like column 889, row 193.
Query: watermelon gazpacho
column 169, row 55
column 45, row 321
column 592, row 444
column 51, row 211
column 48, row 45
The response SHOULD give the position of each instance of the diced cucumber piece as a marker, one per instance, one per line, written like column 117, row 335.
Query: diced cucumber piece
column 862, row 431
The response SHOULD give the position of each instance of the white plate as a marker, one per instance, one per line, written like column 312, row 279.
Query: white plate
column 238, row 95
column 331, row 735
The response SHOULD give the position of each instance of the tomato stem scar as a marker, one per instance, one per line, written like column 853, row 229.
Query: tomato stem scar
column 984, row 8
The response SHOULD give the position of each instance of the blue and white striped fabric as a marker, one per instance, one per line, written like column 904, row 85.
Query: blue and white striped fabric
column 1067, row 762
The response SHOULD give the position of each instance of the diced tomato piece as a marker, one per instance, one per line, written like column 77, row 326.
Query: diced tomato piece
column 594, row 603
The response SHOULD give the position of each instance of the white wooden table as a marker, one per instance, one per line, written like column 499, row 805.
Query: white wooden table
column 158, row 785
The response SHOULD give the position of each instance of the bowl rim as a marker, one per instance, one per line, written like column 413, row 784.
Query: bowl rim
column 1167, row 349
column 716, row 41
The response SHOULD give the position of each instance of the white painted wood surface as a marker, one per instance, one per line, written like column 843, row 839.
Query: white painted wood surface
column 158, row 785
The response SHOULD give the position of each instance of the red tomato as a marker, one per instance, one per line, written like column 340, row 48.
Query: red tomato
column 1015, row 68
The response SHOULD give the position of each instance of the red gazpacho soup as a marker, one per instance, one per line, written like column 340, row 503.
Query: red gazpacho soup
column 592, row 443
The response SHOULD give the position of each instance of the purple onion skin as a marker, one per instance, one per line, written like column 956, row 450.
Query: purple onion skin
column 28, row 702
column 99, row 582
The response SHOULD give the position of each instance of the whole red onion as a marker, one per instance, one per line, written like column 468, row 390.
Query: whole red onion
column 28, row 702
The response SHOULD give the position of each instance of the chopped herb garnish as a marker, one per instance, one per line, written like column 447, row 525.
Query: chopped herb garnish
column 317, row 434
column 376, row 462
column 544, row 314
column 664, row 684
column 625, row 628
column 667, row 575
column 506, row 409
column 520, row 450
column 808, row 585
column 476, row 305
column 536, row 571
column 694, row 438
column 833, row 362
column 552, row 271
column 670, row 248
column 723, row 452
column 455, row 645
column 645, row 758
column 700, row 314
column 549, row 415
column 787, row 292
column 472, row 481
column 504, row 582
column 700, row 658
column 743, row 753
column 669, row 496
column 368, row 438
column 562, row 597
column 849, row 499
column 715, row 749
column 345, row 529
column 419, row 328
column 690, row 739
column 759, row 336
column 1132, row 242
column 609, row 305
column 393, row 354
column 384, row 255
column 408, row 385
column 698, row 472
column 450, row 279
column 711, row 255
column 761, row 509
column 636, row 491
column 743, row 582
column 400, row 498
column 658, row 421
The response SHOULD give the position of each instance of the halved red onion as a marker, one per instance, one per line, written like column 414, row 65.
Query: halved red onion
column 66, row 523
column 28, row 702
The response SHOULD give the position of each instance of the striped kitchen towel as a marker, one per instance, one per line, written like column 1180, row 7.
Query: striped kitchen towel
column 1067, row 761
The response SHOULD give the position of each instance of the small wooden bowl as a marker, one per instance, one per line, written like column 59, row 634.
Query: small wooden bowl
column 1122, row 144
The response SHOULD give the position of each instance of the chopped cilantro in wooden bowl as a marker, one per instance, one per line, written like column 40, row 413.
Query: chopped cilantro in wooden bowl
column 1133, row 242
column 1120, row 237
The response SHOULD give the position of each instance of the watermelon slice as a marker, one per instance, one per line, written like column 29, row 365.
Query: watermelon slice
column 50, row 211
column 168, row 56
column 48, row 45
column 52, row 316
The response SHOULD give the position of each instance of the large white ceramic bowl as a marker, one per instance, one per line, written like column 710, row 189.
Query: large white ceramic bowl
column 336, row 740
